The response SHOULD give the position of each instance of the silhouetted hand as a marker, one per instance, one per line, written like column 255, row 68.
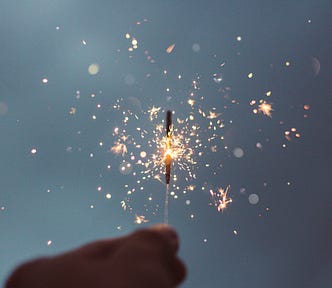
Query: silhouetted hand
column 146, row 258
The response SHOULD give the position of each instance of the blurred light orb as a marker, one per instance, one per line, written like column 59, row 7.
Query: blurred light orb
column 69, row 149
column 143, row 154
column 45, row 80
column 129, row 79
column 33, row 151
column 108, row 196
column 196, row 47
column 93, row 69
column 253, row 199
column 250, row 75
column 132, row 104
column 238, row 152
column 125, row 168
column 315, row 65
column 259, row 145
column 217, row 78
column 3, row 108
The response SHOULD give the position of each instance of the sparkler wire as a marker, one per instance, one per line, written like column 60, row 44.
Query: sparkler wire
column 166, row 205
column 168, row 161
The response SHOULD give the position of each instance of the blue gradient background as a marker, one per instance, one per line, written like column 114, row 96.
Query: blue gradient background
column 290, row 246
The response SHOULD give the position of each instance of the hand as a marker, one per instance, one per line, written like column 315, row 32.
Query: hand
column 146, row 258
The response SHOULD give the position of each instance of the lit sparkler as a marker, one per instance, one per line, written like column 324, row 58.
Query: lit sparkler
column 168, row 159
column 195, row 145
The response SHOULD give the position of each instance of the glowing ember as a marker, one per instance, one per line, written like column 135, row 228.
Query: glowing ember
column 140, row 219
column 220, row 198
column 265, row 108
column 170, row 48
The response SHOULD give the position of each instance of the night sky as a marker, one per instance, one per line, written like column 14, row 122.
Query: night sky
column 250, row 87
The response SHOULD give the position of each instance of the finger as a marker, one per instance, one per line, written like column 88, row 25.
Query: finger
column 29, row 274
column 177, row 271
column 169, row 234
column 101, row 248
column 160, row 244
column 176, row 267
column 161, row 238
column 163, row 235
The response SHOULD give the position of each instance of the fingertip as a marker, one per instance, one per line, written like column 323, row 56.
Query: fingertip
column 179, row 271
column 169, row 233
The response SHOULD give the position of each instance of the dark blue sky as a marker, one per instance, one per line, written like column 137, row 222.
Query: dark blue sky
column 45, row 199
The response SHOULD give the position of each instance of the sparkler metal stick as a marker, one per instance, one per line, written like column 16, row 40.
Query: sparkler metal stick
column 168, row 160
column 168, row 146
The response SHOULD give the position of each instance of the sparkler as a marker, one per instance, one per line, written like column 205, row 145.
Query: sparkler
column 168, row 160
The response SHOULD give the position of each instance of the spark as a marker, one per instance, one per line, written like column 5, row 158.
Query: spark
column 123, row 205
column 170, row 48
column 191, row 187
column 72, row 111
column 191, row 102
column 119, row 148
column 213, row 115
column 268, row 93
column 265, row 108
column 139, row 219
column 220, row 198
column 153, row 112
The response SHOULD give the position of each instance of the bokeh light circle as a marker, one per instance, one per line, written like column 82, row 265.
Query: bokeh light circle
column 196, row 47
column 3, row 108
column 125, row 168
column 238, row 152
column 93, row 69
column 253, row 199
